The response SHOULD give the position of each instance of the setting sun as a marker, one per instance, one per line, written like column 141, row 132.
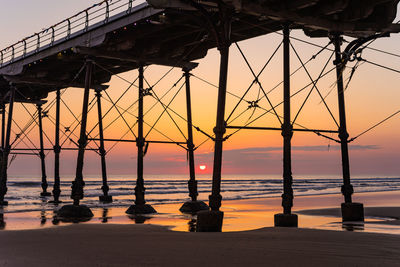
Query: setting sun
column 202, row 167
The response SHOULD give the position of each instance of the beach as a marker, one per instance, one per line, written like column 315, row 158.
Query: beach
column 147, row 245
column 248, row 237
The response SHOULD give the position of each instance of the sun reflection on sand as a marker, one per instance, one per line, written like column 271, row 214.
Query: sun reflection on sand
column 239, row 215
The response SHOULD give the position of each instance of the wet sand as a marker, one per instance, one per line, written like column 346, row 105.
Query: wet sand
column 112, row 238
column 240, row 215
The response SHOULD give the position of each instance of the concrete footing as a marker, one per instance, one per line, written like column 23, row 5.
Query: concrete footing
column 285, row 220
column 193, row 206
column 45, row 194
column 106, row 199
column 352, row 212
column 140, row 209
column 209, row 221
column 74, row 212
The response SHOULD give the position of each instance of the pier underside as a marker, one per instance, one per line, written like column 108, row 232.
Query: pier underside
column 177, row 33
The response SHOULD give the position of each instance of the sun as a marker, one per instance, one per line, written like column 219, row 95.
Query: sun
column 203, row 167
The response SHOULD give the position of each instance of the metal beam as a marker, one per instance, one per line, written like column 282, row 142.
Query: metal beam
column 57, row 151
column 42, row 155
column 6, row 150
column 78, row 184
column 52, row 83
column 125, row 57
column 280, row 129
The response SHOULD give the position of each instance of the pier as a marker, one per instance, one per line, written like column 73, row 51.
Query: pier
column 112, row 37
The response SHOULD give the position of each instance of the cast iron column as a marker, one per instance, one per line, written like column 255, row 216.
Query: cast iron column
column 78, row 184
column 211, row 221
column 350, row 211
column 287, row 218
column 57, row 150
column 139, row 189
column 190, row 146
column 3, row 124
column 105, row 197
column 76, row 210
column 6, row 149
column 41, row 153
column 140, row 206
column 194, row 205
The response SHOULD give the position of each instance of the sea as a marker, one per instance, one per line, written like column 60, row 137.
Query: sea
column 24, row 192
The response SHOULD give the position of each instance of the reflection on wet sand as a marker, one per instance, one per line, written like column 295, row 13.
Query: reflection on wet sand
column 104, row 217
column 139, row 219
column 239, row 215
column 356, row 226
column 2, row 222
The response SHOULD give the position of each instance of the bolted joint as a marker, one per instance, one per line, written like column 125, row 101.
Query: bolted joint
column 215, row 201
column 102, row 151
column 190, row 146
column 98, row 92
column 105, row 189
column 83, row 141
column 57, row 149
column 223, row 44
column 347, row 189
column 147, row 91
column 343, row 135
column 56, row 191
column 253, row 104
column 140, row 142
column 287, row 130
column 220, row 130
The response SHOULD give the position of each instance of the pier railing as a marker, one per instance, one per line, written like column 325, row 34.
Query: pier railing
column 81, row 22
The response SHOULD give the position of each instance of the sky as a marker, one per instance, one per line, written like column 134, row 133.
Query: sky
column 372, row 95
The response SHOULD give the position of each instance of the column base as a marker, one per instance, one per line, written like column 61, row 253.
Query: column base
column 45, row 194
column 352, row 212
column 106, row 199
column 3, row 203
column 209, row 221
column 74, row 212
column 140, row 209
column 285, row 220
column 193, row 206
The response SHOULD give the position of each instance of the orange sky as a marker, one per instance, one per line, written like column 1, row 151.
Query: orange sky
column 372, row 95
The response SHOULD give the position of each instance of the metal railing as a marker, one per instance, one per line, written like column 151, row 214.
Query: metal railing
column 79, row 23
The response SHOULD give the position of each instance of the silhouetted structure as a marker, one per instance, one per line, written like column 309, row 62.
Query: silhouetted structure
column 174, row 33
